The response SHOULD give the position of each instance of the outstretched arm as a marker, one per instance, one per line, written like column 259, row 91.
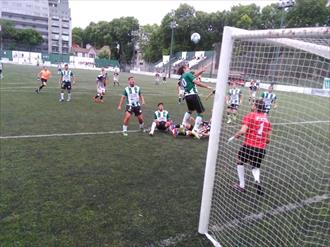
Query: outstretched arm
column 242, row 131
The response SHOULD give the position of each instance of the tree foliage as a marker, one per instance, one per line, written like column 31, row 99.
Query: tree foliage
column 155, row 40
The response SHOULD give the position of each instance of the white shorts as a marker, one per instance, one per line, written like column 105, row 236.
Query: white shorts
column 116, row 78
column 181, row 92
column 101, row 90
column 253, row 94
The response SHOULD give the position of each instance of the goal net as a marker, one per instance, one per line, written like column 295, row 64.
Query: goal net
column 291, row 204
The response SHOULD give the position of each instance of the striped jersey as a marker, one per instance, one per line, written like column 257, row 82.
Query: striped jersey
column 162, row 116
column 132, row 95
column 268, row 99
column 234, row 96
column 66, row 75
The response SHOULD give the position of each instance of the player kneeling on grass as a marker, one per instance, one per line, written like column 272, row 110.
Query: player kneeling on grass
column 257, row 130
column 43, row 76
column 133, row 96
column 162, row 120
column 101, row 83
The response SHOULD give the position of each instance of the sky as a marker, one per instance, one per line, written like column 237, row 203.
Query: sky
column 147, row 12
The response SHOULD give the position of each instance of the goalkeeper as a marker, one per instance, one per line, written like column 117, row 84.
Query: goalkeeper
column 257, row 130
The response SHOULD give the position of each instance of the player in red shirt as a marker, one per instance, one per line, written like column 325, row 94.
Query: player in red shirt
column 257, row 130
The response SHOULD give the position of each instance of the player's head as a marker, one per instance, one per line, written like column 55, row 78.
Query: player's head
column 131, row 81
column 160, row 106
column 259, row 105
column 270, row 88
column 182, row 69
column 44, row 68
column 253, row 82
column 66, row 66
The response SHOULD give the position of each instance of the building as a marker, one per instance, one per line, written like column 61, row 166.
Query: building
column 51, row 18
column 59, row 29
column 89, row 51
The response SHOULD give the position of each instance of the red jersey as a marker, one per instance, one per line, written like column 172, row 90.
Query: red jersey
column 259, row 126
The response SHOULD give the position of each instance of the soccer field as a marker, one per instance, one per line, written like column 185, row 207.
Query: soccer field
column 69, row 178
column 93, row 186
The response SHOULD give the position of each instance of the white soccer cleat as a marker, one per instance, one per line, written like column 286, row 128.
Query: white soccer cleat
column 61, row 100
column 125, row 133
column 151, row 134
column 195, row 134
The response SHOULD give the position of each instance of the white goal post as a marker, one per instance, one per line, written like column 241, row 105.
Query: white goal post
column 295, row 172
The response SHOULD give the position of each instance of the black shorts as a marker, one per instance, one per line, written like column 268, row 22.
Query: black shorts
column 194, row 103
column 162, row 125
column 134, row 109
column 66, row 85
column 233, row 107
column 43, row 81
column 252, row 155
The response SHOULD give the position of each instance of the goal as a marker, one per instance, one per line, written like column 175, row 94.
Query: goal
column 294, row 209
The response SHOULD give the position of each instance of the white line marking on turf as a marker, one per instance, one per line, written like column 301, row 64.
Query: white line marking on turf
column 119, row 131
column 304, row 122
column 67, row 134
column 272, row 212
column 172, row 241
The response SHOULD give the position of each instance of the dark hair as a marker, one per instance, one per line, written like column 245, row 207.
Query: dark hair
column 160, row 103
column 130, row 77
column 260, row 105
column 180, row 70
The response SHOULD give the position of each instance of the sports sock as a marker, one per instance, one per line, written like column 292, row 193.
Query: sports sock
column 62, row 96
column 256, row 174
column 101, row 97
column 198, row 122
column 240, row 172
column 153, row 126
column 141, row 125
column 124, row 128
column 41, row 87
column 69, row 96
column 186, row 118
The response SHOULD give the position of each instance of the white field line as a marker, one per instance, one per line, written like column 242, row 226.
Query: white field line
column 289, row 123
column 67, row 134
column 172, row 241
column 119, row 131
column 279, row 210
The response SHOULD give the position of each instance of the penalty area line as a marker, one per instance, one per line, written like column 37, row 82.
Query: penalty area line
column 68, row 134
column 273, row 212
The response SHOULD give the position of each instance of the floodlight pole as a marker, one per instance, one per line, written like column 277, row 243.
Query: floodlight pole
column 282, row 5
column 173, row 26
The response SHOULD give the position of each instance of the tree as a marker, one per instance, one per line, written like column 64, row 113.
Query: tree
column 104, row 52
column 8, row 29
column 30, row 37
column 309, row 13
column 78, row 36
